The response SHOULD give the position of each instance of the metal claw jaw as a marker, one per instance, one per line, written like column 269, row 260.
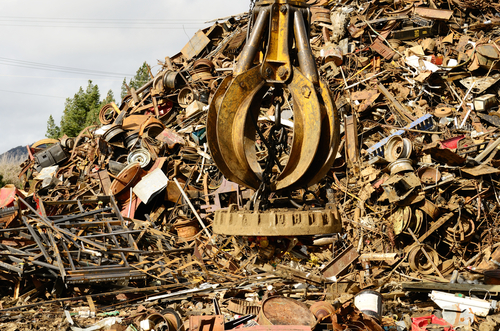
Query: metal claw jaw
column 236, row 104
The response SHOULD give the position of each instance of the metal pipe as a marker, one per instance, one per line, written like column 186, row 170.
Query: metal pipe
column 304, row 52
column 145, row 86
column 364, row 80
column 169, row 64
column 192, row 208
column 487, row 150
column 135, row 96
column 463, row 100
column 252, row 47
column 130, row 204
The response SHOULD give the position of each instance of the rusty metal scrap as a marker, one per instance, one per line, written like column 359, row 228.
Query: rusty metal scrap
column 159, row 217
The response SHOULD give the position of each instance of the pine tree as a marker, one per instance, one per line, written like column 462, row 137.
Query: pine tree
column 53, row 131
column 93, row 114
column 141, row 77
column 80, row 112
column 76, row 109
column 124, row 90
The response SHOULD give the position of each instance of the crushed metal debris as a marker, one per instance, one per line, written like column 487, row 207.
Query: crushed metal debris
column 305, row 166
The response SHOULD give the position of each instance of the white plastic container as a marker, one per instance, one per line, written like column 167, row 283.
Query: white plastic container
column 370, row 303
column 450, row 301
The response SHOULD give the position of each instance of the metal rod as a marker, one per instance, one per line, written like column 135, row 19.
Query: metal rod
column 130, row 204
column 306, row 59
column 364, row 80
column 133, row 290
column 487, row 150
column 192, row 208
column 252, row 47
column 463, row 100
column 422, row 248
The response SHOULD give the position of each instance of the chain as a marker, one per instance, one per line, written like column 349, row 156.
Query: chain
column 252, row 6
column 276, row 145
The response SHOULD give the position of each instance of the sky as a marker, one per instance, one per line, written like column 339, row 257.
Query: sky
column 51, row 48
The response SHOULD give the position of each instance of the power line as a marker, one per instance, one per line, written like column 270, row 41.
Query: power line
column 39, row 95
column 100, row 23
column 57, row 68
column 104, row 27
column 169, row 22
column 65, row 78
column 60, row 67
column 126, row 20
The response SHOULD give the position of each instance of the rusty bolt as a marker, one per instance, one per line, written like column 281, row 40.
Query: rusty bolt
column 269, row 72
column 306, row 91
column 242, row 84
column 282, row 72
column 283, row 9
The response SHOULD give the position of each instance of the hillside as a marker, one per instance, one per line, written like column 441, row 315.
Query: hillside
column 18, row 152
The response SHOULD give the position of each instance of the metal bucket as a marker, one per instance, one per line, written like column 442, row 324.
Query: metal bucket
column 370, row 303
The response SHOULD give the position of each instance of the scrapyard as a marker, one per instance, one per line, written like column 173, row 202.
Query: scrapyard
column 314, row 165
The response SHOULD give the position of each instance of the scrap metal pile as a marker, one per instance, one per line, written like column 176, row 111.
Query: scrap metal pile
column 115, row 228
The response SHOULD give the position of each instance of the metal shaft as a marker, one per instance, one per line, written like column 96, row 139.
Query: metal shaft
column 252, row 47
column 304, row 52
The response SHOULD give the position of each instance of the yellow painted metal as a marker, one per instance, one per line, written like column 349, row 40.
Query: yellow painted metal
column 329, row 142
column 277, row 67
column 298, row 3
column 278, row 39
column 236, row 102
column 212, row 140
column 46, row 141
column 306, row 131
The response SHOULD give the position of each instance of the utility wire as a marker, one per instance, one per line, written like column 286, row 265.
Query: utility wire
column 169, row 22
column 102, row 23
column 58, row 70
column 39, row 95
column 106, row 27
column 126, row 20
column 65, row 78
column 51, row 67
column 60, row 67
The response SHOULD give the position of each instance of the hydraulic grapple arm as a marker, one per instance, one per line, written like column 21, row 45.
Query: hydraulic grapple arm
column 277, row 56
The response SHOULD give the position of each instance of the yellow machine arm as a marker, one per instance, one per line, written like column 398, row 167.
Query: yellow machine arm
column 277, row 56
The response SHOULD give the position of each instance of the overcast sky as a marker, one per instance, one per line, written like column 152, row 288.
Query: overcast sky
column 49, row 48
